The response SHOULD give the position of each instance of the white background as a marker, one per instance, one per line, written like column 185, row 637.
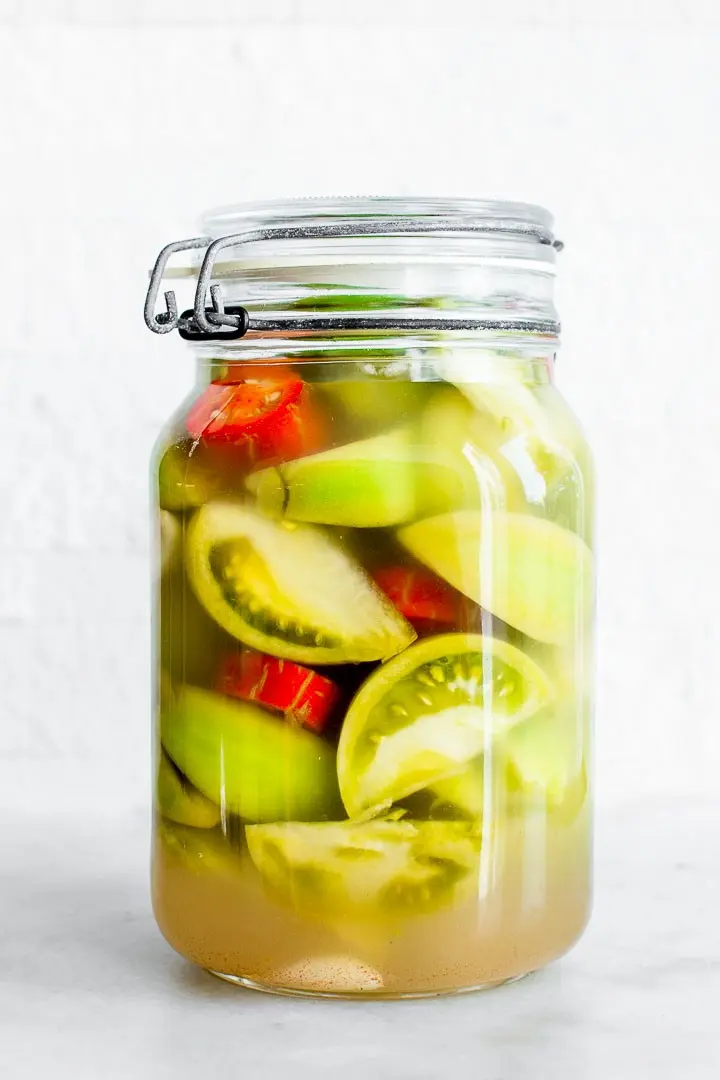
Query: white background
column 120, row 122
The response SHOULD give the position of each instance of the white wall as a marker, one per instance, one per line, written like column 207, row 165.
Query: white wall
column 119, row 122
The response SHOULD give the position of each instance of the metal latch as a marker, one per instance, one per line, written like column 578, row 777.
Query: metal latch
column 215, row 322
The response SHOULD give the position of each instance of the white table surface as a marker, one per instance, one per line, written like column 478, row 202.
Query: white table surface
column 88, row 989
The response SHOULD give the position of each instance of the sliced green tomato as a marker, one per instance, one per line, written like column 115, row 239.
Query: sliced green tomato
column 185, row 477
column 163, row 688
column 496, row 384
column 329, row 297
column 190, row 641
column 374, row 867
column 204, row 851
column 180, row 802
column 538, row 767
column 535, row 575
column 536, row 436
column 170, row 542
column 473, row 441
column 570, row 493
column 376, row 482
column 464, row 792
column 368, row 483
column 369, row 403
column 422, row 716
column 288, row 589
column 248, row 761
column 546, row 763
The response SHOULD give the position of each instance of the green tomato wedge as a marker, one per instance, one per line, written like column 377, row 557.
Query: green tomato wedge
column 170, row 541
column 203, row 851
column 451, row 424
column 538, row 767
column 464, row 792
column 351, row 868
column 248, row 761
column 189, row 640
column 288, row 589
column 178, row 801
column 428, row 712
column 497, row 384
column 546, row 763
column 368, row 403
column 184, row 479
column 535, row 435
column 373, row 483
column 535, row 575
column 367, row 484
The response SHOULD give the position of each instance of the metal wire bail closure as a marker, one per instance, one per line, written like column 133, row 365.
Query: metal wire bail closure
column 214, row 321
column 164, row 322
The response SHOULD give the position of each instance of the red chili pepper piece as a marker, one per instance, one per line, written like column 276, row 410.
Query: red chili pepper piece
column 266, row 417
column 303, row 696
column 422, row 598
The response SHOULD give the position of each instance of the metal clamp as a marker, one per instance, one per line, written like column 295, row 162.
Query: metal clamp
column 188, row 328
column 165, row 321
column 205, row 321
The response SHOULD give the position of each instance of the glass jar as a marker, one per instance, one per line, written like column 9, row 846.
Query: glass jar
column 374, row 603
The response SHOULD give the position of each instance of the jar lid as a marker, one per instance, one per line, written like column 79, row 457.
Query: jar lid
column 344, row 230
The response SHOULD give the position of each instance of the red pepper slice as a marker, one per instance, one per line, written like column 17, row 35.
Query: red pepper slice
column 423, row 599
column 266, row 416
column 303, row 696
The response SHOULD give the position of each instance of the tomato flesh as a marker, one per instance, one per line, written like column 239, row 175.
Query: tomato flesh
column 301, row 694
column 423, row 599
column 265, row 418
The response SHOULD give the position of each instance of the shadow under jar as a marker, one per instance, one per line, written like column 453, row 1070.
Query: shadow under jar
column 374, row 594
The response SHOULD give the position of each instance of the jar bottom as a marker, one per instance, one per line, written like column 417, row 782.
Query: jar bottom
column 373, row 995
column 206, row 913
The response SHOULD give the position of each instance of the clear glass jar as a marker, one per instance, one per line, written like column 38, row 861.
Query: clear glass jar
column 374, row 605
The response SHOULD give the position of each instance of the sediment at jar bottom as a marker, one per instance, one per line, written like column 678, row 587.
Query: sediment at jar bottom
column 517, row 920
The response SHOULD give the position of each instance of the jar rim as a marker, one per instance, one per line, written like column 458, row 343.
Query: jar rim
column 519, row 218
column 286, row 232
column 500, row 219
column 349, row 229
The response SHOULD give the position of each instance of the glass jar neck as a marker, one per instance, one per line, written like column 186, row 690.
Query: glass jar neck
column 410, row 291
column 467, row 359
